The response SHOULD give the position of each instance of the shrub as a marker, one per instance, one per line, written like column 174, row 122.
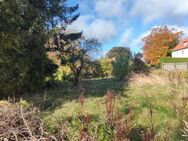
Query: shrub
column 120, row 67
column 105, row 67
column 63, row 73
column 139, row 66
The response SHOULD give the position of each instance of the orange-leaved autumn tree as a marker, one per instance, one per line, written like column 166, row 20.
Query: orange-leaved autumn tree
column 159, row 43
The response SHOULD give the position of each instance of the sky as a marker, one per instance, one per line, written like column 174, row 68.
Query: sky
column 126, row 22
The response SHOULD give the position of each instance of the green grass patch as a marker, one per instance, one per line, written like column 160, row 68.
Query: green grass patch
column 68, row 93
column 173, row 60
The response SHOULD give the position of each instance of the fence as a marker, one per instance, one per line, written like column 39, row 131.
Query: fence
column 175, row 66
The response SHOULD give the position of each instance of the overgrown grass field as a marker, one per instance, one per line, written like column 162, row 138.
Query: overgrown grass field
column 153, row 101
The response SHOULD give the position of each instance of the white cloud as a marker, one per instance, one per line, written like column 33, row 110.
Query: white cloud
column 82, row 22
column 184, row 29
column 137, row 43
column 110, row 8
column 104, row 19
column 151, row 10
column 103, row 30
column 126, row 36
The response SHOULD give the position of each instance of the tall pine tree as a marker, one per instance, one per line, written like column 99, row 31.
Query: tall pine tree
column 25, row 27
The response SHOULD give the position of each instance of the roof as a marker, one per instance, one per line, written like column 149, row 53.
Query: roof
column 182, row 45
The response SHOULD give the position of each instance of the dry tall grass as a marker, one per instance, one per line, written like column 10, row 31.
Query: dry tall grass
column 167, row 90
column 177, row 81
column 152, row 79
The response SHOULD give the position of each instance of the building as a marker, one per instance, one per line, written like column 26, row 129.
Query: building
column 181, row 50
column 179, row 59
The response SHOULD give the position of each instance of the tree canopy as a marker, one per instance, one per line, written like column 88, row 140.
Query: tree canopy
column 117, row 51
column 76, row 52
column 159, row 43
column 25, row 27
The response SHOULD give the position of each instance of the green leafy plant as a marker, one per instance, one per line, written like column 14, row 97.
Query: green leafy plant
column 120, row 67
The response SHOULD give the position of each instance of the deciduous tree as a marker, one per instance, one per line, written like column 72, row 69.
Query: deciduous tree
column 76, row 52
column 159, row 43
column 118, row 51
column 80, row 55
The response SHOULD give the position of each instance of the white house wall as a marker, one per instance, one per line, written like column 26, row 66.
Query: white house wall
column 183, row 53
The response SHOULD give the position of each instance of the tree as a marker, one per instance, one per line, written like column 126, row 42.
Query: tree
column 118, row 51
column 138, row 65
column 25, row 26
column 106, row 67
column 121, row 67
column 91, row 70
column 79, row 55
column 159, row 43
column 76, row 52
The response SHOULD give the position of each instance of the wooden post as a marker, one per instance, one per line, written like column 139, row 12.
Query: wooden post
column 174, row 65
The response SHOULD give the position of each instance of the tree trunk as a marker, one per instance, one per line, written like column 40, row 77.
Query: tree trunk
column 76, row 77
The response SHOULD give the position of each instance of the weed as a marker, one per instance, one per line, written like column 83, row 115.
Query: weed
column 117, row 121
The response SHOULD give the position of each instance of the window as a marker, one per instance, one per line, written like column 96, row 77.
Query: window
column 182, row 51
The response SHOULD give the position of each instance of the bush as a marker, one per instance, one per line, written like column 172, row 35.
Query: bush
column 139, row 66
column 106, row 67
column 63, row 73
column 120, row 67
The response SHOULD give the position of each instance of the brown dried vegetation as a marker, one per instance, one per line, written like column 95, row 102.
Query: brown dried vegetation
column 116, row 120
column 18, row 124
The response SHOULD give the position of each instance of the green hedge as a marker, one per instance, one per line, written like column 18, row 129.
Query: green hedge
column 173, row 60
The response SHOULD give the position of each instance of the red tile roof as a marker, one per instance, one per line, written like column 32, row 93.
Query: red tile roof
column 181, row 45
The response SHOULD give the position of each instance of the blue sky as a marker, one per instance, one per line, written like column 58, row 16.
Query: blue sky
column 126, row 22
